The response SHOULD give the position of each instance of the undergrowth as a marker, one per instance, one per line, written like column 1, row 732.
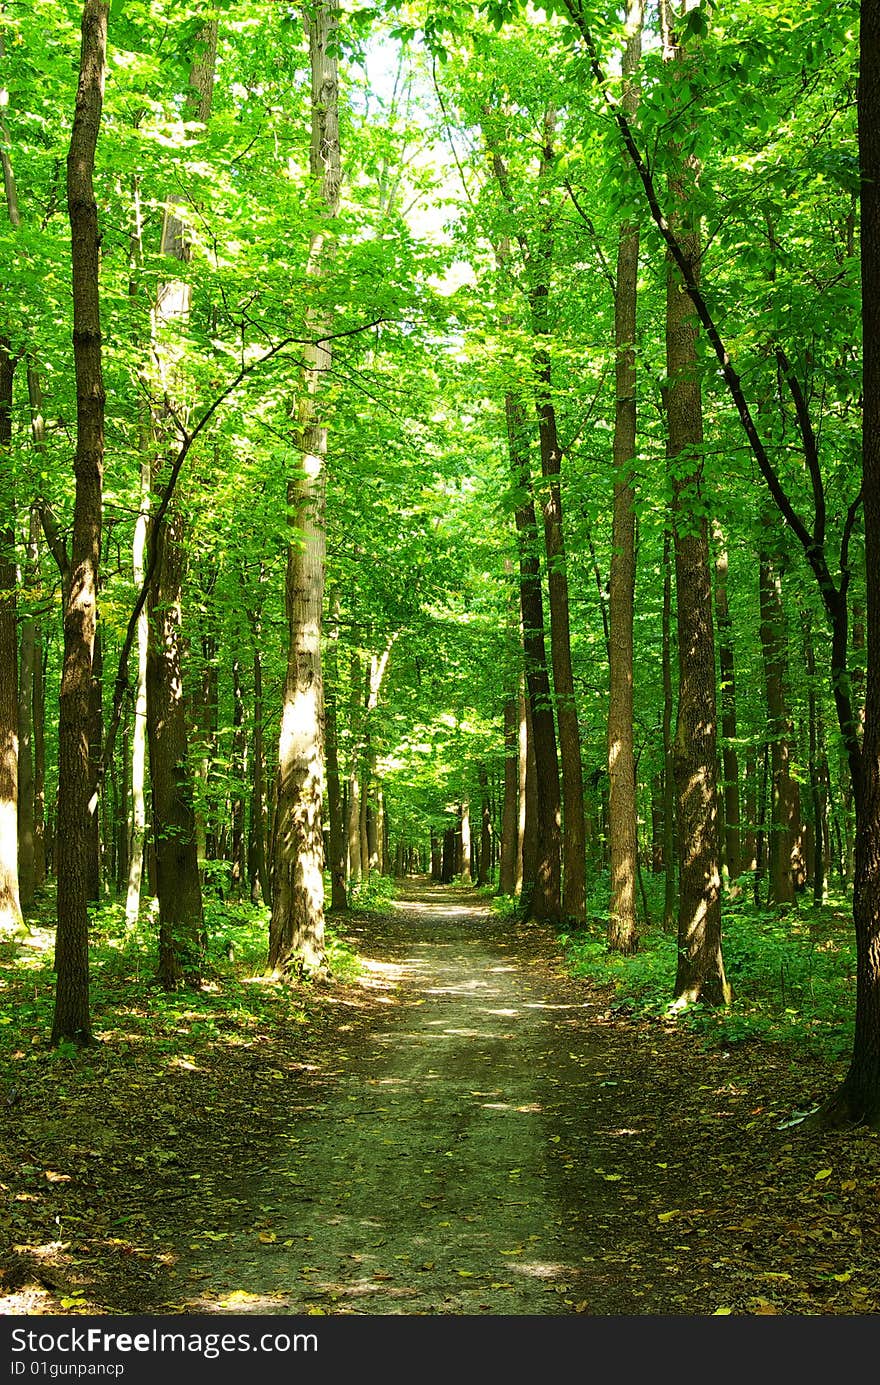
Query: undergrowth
column 237, row 996
column 792, row 973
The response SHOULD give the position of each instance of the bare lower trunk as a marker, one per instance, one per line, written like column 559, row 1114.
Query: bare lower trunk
column 27, row 879
column 239, row 779
column 139, row 727
column 670, row 834
column 507, row 868
column 546, row 884
column 259, row 816
column 338, row 892
column 785, row 856
column 178, row 886
column 10, row 907
column 727, row 670
column 464, row 817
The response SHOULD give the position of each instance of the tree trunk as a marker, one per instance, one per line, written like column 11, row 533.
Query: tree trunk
column 96, row 742
column 730, row 762
column 507, row 868
column 528, row 853
column 178, row 886
column 71, row 1018
column 39, row 723
column 859, row 1097
column 239, row 780
column 338, row 893
column 485, row 864
column 573, row 839
column 700, row 974
column 139, row 727
column 546, row 885
column 817, row 788
column 178, row 882
column 623, row 933
column 10, row 907
column 464, row 813
column 30, row 653
column 785, row 858
column 259, row 816
column 670, row 833
column 296, row 933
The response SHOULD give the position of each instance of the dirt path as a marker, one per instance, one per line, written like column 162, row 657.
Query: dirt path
column 492, row 1140
column 434, row 1179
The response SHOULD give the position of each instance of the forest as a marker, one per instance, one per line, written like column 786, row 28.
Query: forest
column 440, row 657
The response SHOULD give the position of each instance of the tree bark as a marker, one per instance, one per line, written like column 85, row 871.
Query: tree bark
column 670, row 832
column 239, row 780
column 731, row 855
column 259, row 816
column 10, row 906
column 786, row 868
column 71, row 1019
column 700, row 974
column 27, row 879
column 338, row 892
column 507, row 868
column 859, row 1097
column 178, row 886
column 139, row 727
column 178, row 882
column 573, row 837
column 623, row 934
column 464, row 817
column 545, row 887
column 296, row 932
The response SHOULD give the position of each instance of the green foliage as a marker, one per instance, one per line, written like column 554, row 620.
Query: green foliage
column 791, row 976
column 373, row 895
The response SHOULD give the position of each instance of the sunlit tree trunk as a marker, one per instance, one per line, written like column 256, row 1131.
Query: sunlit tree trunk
column 465, row 827
column 296, row 933
column 10, row 907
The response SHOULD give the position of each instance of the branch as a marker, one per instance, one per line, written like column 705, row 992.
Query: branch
column 813, row 550
column 120, row 685
column 54, row 537
column 811, row 446
column 597, row 244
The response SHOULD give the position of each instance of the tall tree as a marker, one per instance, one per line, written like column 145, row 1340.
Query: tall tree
column 178, row 884
column 296, row 935
column 700, row 974
column 622, row 832
column 75, row 800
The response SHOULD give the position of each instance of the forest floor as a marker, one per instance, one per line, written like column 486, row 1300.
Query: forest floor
column 463, row 1130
